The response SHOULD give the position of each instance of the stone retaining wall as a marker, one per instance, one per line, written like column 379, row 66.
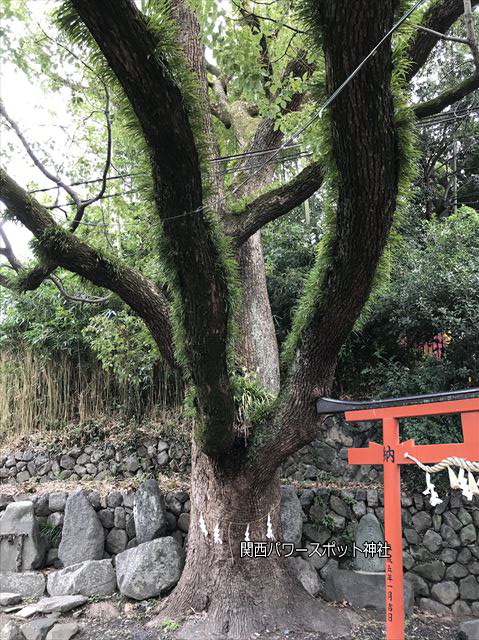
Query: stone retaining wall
column 149, row 456
column 441, row 544
column 103, row 461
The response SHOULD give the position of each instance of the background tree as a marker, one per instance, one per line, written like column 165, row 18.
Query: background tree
column 207, row 306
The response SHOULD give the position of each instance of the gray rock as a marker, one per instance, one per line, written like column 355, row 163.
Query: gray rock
column 456, row 571
column 368, row 530
column 464, row 556
column 28, row 551
column 306, row 574
column 107, row 518
column 82, row 535
column 11, row 631
column 116, row 541
column 433, row 571
column 55, row 519
column 420, row 586
column 120, row 518
column 469, row 630
column 339, row 506
column 63, row 631
column 450, row 536
column 461, row 608
column 57, row 500
column 469, row 589
column 318, row 561
column 426, row 604
column 149, row 512
column 38, row 629
column 28, row 584
column 132, row 465
column 291, row 516
column 316, row 533
column 421, row 521
column 114, row 499
column 468, row 535
column 372, row 498
column 451, row 520
column 432, row 541
column 8, row 599
column 448, row 555
column 184, row 522
column 363, row 590
column 67, row 462
column 149, row 569
column 60, row 603
column 445, row 592
column 23, row 476
column 163, row 458
column 90, row 578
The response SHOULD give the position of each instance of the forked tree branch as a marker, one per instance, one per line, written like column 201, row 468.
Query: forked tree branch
column 276, row 203
column 66, row 250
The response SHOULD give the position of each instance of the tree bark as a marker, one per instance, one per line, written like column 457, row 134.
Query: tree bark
column 257, row 342
column 239, row 595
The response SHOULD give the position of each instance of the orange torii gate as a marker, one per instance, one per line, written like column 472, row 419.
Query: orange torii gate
column 393, row 453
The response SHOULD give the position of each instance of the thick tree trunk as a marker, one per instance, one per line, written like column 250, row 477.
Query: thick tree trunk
column 236, row 596
column 257, row 344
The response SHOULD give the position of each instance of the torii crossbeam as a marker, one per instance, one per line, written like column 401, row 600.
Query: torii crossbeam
column 393, row 453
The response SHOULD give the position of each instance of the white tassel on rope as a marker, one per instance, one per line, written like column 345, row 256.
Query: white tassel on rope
column 453, row 479
column 434, row 498
column 464, row 485
column 473, row 485
column 203, row 528
column 269, row 531
column 246, row 535
column 216, row 535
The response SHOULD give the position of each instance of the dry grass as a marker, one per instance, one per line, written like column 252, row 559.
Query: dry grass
column 39, row 396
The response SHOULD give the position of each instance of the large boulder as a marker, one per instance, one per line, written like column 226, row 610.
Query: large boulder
column 82, row 536
column 291, row 516
column 363, row 590
column 150, row 569
column 369, row 530
column 29, row 584
column 469, row 630
column 306, row 574
column 22, row 547
column 90, row 578
column 149, row 512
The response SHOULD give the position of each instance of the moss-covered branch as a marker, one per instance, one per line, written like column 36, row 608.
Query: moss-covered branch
column 445, row 99
column 58, row 245
column 275, row 203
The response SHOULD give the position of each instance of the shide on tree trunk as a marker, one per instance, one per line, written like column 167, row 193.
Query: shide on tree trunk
column 206, row 249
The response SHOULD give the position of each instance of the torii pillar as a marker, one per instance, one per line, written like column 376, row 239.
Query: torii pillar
column 391, row 454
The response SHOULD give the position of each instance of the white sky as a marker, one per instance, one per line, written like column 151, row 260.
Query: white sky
column 44, row 120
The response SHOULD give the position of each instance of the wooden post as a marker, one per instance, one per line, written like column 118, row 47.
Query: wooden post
column 393, row 531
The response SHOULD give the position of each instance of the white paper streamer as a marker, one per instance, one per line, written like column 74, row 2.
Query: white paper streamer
column 203, row 526
column 269, row 532
column 464, row 485
column 434, row 498
column 246, row 535
column 216, row 535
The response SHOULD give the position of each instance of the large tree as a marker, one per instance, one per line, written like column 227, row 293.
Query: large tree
column 210, row 315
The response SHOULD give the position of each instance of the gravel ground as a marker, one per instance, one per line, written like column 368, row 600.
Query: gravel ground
column 132, row 626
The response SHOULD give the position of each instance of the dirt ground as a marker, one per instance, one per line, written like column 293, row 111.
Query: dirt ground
column 132, row 625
